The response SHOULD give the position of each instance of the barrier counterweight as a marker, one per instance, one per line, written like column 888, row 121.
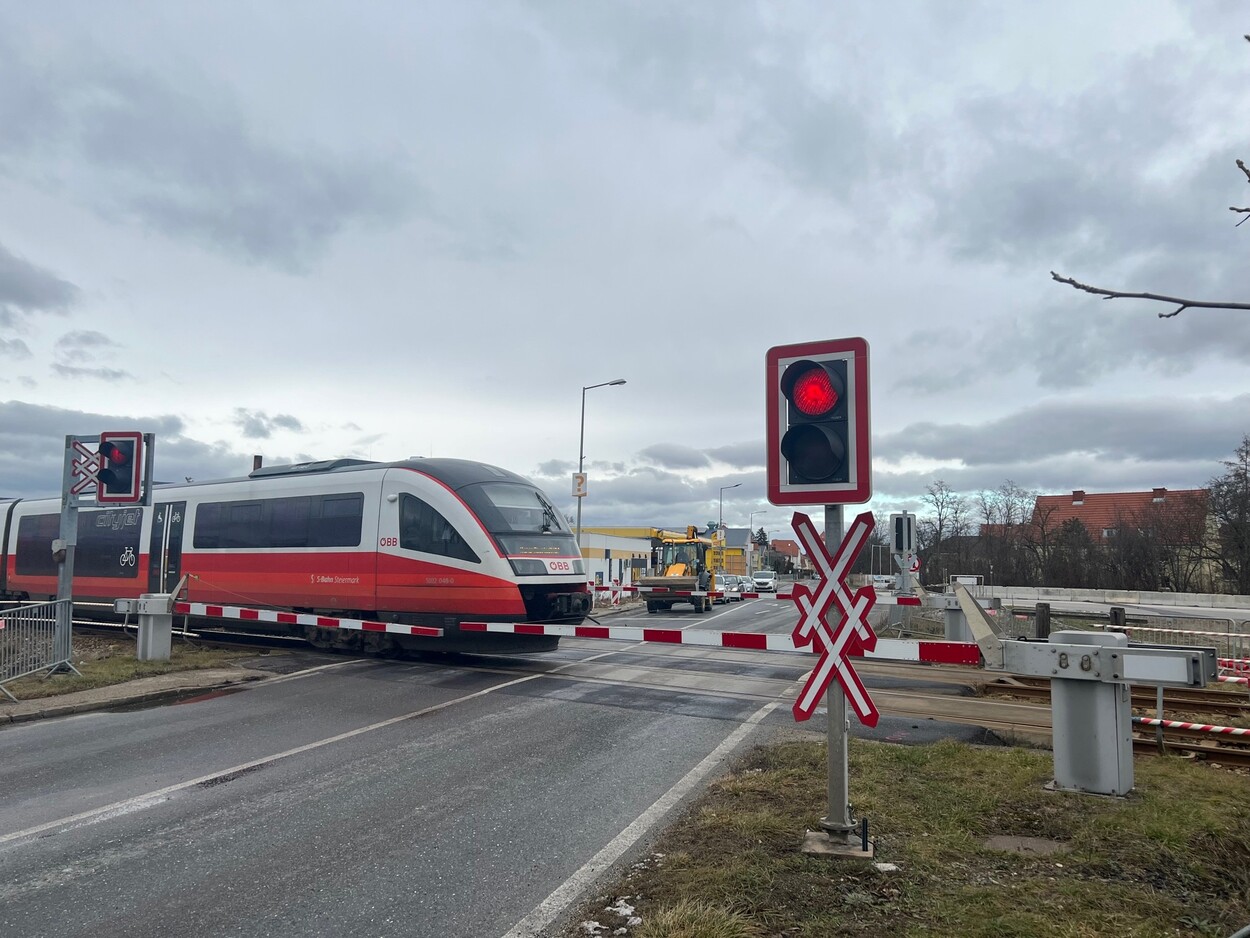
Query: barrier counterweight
column 30, row 641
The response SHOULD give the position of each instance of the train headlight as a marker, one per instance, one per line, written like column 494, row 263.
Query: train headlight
column 528, row 567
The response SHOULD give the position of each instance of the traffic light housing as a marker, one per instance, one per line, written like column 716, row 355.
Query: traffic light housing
column 121, row 463
column 818, row 427
column 903, row 533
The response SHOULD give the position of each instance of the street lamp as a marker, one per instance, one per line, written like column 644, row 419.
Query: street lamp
column 751, row 533
column 721, row 522
column 581, row 450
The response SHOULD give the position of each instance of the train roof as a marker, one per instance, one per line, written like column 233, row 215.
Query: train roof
column 454, row 473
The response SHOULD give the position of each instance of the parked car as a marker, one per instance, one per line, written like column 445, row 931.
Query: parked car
column 765, row 581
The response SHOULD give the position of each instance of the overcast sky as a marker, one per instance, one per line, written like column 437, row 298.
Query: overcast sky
column 409, row 229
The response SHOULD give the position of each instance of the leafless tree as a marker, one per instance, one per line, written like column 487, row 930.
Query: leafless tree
column 1230, row 510
column 1181, row 303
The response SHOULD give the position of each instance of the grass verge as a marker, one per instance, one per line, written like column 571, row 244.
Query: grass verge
column 105, row 662
column 1171, row 859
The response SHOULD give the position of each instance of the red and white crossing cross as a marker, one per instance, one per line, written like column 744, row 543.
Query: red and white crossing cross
column 852, row 636
column 86, row 468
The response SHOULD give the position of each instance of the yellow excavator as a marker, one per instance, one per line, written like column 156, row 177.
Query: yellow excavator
column 684, row 562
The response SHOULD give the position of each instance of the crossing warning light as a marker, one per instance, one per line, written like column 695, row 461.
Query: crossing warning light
column 818, row 430
column 121, row 461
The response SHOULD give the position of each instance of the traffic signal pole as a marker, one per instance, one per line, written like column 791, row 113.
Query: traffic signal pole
column 63, row 551
column 837, row 823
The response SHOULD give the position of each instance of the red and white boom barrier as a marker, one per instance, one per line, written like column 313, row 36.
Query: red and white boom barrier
column 887, row 649
column 212, row 611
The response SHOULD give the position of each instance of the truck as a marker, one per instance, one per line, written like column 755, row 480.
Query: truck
column 683, row 570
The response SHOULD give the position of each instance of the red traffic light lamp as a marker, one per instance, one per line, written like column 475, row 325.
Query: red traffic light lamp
column 818, row 425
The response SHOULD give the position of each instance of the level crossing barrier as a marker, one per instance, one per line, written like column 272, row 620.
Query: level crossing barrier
column 30, row 641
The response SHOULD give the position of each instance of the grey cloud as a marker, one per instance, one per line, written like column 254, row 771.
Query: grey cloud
column 675, row 456
column 26, row 289
column 739, row 455
column 187, row 163
column 259, row 425
column 1119, row 431
column 83, row 345
column 555, row 468
column 84, row 353
column 102, row 373
column 14, row 348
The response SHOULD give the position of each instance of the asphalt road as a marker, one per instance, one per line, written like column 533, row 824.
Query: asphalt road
column 469, row 797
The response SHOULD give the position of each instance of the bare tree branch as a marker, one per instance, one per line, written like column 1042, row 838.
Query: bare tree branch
column 1181, row 302
column 1241, row 164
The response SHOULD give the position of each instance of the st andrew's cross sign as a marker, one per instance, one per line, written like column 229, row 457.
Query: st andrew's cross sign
column 851, row 636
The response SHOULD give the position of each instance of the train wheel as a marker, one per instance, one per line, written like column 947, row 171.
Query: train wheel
column 378, row 643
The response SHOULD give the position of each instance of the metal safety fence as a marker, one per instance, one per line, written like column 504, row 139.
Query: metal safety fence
column 30, row 640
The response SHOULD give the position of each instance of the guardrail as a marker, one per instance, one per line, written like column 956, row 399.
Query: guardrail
column 30, row 641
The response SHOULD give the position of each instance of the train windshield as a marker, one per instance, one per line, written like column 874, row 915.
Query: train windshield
column 521, row 519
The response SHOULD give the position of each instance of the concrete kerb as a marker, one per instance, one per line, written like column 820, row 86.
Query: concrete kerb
column 176, row 684
column 143, row 690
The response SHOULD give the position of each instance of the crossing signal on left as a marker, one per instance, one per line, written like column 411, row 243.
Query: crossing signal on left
column 121, row 464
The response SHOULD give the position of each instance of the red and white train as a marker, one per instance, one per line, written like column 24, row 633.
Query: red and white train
column 429, row 542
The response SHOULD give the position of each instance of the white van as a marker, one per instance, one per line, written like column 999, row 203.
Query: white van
column 765, row 581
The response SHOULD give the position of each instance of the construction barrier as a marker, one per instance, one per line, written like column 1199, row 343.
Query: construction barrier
column 29, row 642
column 1195, row 727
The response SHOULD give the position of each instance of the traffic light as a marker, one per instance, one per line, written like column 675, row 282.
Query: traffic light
column 818, row 434
column 903, row 533
column 121, row 461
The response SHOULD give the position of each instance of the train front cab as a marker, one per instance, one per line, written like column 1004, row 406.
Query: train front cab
column 483, row 551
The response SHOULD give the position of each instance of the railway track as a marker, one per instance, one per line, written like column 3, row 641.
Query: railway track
column 1188, row 700
column 1018, row 709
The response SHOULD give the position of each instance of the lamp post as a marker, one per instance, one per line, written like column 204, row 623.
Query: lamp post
column 581, row 450
column 751, row 535
column 721, row 522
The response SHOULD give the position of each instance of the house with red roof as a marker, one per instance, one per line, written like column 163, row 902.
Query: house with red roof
column 1161, row 537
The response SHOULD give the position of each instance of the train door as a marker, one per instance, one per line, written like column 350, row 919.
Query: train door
column 165, row 547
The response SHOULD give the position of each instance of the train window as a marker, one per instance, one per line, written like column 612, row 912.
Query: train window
column 34, row 544
column 274, row 523
column 513, row 507
column 244, row 525
column 338, row 521
column 108, row 543
column 423, row 529
column 288, row 521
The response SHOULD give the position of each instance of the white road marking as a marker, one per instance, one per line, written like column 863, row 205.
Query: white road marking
column 550, row 908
